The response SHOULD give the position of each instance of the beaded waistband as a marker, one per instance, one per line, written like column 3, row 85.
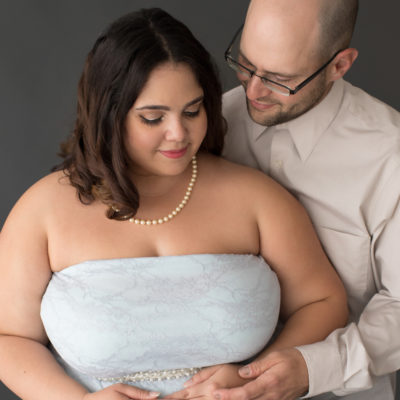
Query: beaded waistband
column 151, row 376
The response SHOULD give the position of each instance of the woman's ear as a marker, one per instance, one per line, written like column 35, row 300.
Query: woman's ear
column 342, row 63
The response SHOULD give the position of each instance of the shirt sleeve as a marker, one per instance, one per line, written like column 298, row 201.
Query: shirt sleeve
column 350, row 359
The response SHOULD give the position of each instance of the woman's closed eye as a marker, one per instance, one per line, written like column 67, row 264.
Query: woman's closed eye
column 193, row 110
column 153, row 117
column 191, row 114
column 151, row 120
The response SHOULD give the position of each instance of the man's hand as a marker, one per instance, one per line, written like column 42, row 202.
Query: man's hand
column 204, row 384
column 281, row 375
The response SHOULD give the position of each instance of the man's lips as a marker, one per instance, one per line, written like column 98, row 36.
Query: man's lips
column 174, row 153
column 260, row 106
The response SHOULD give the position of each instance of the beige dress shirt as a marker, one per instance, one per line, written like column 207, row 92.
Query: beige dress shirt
column 342, row 161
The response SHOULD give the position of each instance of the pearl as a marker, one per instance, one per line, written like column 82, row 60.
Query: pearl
column 180, row 206
column 152, row 376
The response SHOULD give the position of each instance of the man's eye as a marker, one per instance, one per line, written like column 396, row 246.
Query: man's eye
column 282, row 80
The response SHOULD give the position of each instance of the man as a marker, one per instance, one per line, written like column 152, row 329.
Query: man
column 337, row 150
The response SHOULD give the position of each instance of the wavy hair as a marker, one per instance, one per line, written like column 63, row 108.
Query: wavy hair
column 116, row 70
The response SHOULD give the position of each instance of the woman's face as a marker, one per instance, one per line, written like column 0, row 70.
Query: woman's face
column 167, row 123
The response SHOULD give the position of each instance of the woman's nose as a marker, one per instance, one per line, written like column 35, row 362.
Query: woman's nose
column 176, row 130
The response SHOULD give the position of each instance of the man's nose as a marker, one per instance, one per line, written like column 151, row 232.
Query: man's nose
column 255, row 89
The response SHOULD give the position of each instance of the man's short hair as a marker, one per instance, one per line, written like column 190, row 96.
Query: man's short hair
column 337, row 20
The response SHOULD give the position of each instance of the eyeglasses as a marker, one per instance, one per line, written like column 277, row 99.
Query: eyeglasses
column 274, row 86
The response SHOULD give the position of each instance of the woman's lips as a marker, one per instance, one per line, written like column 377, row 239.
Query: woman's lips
column 174, row 153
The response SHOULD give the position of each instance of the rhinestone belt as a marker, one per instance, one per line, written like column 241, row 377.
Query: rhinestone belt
column 151, row 376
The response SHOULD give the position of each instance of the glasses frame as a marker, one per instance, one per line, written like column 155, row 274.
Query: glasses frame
column 230, row 60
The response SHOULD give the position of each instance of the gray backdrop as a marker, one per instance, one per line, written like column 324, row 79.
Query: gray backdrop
column 43, row 45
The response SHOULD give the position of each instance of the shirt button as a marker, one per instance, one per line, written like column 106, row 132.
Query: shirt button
column 277, row 164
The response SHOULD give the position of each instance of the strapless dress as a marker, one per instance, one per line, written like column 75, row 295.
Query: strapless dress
column 149, row 321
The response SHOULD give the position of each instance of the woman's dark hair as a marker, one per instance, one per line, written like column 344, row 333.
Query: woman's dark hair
column 115, row 72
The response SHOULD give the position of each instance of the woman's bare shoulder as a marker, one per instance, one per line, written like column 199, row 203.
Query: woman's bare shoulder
column 250, row 187
column 39, row 200
column 247, row 178
column 52, row 186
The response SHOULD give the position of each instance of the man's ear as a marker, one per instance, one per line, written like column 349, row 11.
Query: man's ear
column 342, row 63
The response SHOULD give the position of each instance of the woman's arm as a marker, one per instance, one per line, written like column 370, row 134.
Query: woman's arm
column 313, row 299
column 27, row 367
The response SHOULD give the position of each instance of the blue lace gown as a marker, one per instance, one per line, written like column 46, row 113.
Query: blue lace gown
column 107, row 319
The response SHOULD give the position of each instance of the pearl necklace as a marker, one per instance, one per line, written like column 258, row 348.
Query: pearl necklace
column 182, row 204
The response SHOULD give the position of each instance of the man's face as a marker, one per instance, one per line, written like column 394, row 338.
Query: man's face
column 270, row 108
column 283, row 50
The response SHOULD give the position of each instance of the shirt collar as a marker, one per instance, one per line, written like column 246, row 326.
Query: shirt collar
column 306, row 130
column 255, row 130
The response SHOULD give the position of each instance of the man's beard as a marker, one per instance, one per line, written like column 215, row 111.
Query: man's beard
column 290, row 112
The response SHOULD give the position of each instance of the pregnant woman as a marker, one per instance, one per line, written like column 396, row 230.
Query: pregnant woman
column 144, row 256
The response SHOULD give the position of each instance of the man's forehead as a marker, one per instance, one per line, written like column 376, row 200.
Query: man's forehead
column 282, row 39
column 275, row 52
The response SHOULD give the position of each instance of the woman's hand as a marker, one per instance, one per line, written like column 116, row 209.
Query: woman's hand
column 203, row 384
column 121, row 391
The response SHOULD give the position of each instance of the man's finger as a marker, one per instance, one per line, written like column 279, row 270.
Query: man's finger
column 258, row 367
column 189, row 393
column 201, row 376
column 252, row 370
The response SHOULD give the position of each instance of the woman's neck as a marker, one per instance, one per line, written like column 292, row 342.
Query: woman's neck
column 151, row 186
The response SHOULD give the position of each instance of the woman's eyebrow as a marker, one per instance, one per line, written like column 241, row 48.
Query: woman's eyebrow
column 166, row 108
column 153, row 107
column 194, row 101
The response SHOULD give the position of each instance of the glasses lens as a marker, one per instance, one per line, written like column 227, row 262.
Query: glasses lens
column 275, row 87
column 242, row 71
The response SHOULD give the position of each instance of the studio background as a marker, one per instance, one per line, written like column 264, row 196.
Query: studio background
column 44, row 43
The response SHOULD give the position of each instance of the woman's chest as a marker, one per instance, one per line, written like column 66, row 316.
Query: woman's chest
column 90, row 236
